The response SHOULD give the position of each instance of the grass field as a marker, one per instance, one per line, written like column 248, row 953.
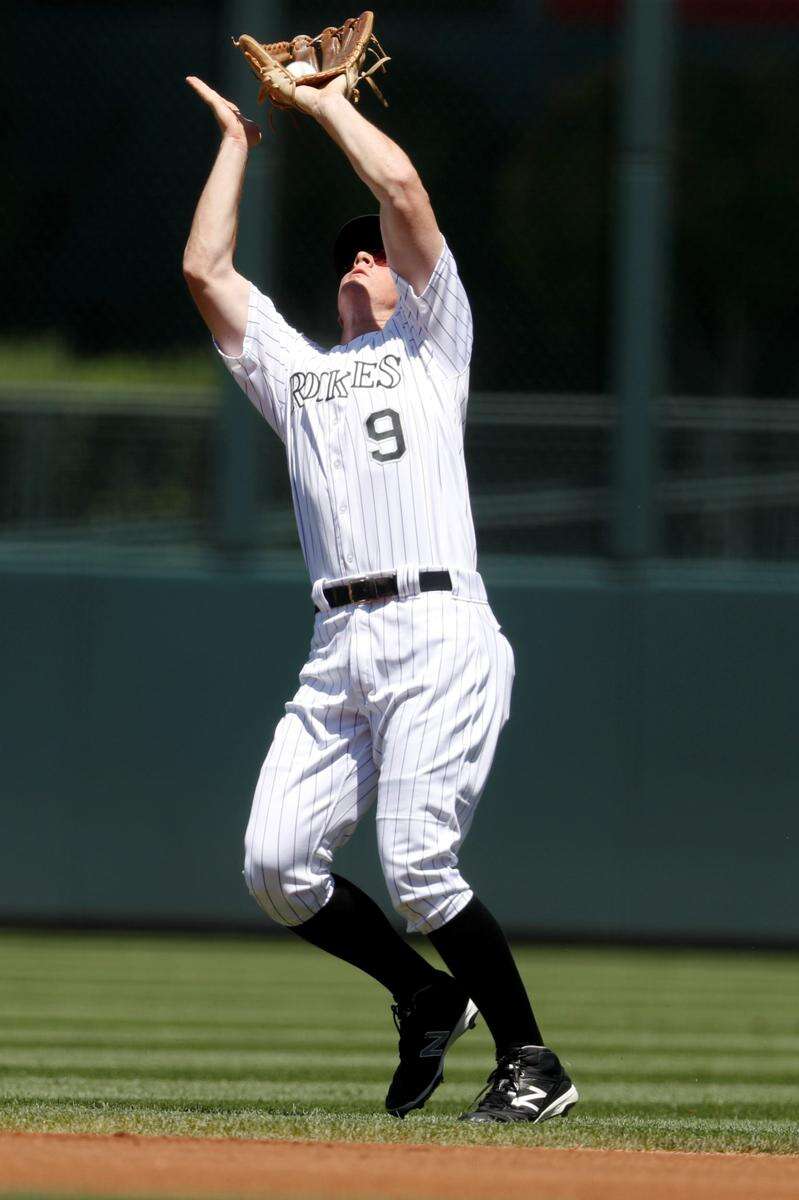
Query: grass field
column 266, row 1038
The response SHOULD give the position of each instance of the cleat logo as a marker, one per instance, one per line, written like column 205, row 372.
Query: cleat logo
column 436, row 1045
column 526, row 1101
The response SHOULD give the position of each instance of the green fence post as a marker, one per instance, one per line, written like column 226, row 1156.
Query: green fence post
column 236, row 466
column 640, row 269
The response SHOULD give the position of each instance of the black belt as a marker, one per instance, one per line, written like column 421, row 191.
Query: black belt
column 380, row 587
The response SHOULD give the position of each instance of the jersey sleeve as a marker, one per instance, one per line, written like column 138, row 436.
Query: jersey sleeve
column 439, row 321
column 263, row 367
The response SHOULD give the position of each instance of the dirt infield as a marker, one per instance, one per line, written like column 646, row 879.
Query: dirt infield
column 64, row 1164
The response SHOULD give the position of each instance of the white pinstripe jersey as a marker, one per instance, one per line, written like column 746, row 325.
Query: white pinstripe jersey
column 373, row 431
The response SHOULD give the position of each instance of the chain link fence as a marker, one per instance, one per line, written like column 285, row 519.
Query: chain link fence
column 108, row 389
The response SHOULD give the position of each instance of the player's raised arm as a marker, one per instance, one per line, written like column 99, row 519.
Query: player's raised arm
column 411, row 236
column 219, row 292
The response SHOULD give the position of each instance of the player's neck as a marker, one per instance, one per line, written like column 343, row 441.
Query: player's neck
column 356, row 322
column 351, row 330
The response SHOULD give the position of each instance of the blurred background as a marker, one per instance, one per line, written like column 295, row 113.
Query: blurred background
column 618, row 182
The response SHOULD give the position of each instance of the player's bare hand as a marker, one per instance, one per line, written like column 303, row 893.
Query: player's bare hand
column 312, row 100
column 228, row 117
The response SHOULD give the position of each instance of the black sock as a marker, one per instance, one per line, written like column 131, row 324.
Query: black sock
column 351, row 926
column 477, row 953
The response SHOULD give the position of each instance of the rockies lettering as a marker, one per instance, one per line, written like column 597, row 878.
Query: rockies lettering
column 336, row 384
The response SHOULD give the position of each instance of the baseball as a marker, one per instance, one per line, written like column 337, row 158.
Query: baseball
column 300, row 68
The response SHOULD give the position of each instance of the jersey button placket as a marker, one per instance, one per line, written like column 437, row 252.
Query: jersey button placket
column 346, row 535
column 338, row 482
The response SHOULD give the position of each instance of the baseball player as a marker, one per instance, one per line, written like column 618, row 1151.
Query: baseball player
column 408, row 678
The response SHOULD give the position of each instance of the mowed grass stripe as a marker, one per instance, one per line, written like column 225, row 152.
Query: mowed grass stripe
column 707, row 992
column 19, row 1025
column 202, row 992
column 770, row 1098
column 259, row 1063
column 294, row 1039
column 185, row 959
column 192, row 1014
column 469, row 1077
column 31, row 947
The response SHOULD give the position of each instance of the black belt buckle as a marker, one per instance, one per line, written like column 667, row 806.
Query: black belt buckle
column 371, row 587
column 358, row 590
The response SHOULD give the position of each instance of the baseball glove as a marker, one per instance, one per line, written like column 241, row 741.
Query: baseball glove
column 333, row 52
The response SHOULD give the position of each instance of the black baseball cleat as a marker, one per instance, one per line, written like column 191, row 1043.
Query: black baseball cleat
column 527, row 1085
column 428, row 1024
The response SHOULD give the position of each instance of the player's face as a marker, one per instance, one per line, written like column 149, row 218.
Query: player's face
column 370, row 272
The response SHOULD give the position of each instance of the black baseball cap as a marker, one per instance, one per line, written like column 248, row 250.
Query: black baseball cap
column 361, row 233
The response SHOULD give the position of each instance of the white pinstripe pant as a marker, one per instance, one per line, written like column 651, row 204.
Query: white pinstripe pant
column 401, row 700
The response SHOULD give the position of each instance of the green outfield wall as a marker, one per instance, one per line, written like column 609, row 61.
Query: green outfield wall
column 646, row 784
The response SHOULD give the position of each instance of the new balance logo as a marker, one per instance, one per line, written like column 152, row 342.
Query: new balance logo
column 437, row 1043
column 526, row 1101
